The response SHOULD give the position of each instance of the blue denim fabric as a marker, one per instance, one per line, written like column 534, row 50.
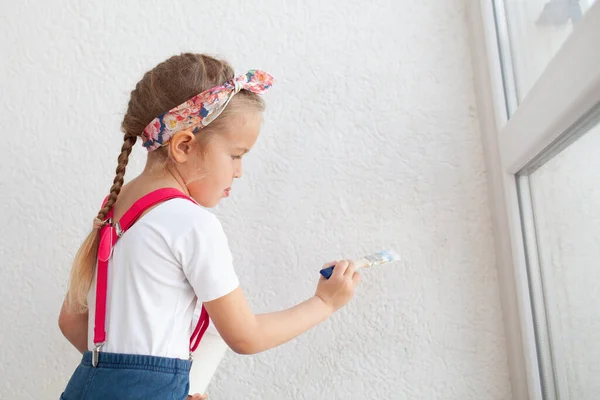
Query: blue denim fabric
column 128, row 376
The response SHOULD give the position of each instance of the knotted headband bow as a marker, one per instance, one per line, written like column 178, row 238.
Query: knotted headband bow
column 202, row 109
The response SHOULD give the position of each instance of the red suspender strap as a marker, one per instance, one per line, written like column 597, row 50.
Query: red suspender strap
column 109, row 234
column 104, row 249
column 199, row 331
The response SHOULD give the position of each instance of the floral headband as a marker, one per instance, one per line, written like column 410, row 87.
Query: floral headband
column 202, row 109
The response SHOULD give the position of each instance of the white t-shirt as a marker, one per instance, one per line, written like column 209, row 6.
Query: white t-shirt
column 173, row 253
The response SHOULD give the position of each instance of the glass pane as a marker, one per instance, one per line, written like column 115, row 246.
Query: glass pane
column 565, row 194
column 537, row 29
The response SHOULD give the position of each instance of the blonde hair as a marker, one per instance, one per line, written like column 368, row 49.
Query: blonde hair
column 167, row 85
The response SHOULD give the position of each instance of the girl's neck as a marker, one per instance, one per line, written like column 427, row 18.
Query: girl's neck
column 146, row 182
column 152, row 179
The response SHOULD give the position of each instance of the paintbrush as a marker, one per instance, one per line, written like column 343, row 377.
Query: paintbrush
column 383, row 257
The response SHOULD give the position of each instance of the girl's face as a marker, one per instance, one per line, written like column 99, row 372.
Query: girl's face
column 210, row 179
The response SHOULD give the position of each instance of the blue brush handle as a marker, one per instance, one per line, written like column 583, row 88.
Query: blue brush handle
column 326, row 272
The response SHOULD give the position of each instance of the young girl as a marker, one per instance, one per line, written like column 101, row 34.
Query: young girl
column 155, row 251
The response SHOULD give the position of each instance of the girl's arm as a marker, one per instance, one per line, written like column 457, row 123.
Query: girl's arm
column 74, row 327
column 247, row 333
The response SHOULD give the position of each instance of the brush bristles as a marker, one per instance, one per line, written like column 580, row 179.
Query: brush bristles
column 387, row 256
column 383, row 257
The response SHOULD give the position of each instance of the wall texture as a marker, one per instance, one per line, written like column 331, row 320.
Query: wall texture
column 370, row 142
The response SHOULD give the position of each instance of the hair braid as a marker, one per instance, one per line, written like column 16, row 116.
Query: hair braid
column 123, row 159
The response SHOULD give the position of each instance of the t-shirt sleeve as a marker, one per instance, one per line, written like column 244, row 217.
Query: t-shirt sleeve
column 206, row 259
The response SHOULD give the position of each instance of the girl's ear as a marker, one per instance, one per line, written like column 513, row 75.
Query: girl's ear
column 181, row 145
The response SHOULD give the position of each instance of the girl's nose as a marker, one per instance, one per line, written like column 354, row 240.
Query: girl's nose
column 238, row 172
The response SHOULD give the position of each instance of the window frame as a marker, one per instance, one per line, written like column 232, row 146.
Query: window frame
column 514, row 147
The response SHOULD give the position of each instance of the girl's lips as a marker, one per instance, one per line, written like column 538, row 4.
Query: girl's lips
column 227, row 191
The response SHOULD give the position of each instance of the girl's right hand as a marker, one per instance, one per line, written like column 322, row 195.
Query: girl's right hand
column 337, row 291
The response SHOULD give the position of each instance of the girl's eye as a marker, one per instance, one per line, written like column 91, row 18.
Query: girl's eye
column 236, row 157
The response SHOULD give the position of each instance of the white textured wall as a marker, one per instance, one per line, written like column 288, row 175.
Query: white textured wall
column 370, row 142
column 566, row 195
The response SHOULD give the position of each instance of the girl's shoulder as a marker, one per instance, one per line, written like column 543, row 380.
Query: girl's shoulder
column 194, row 234
column 182, row 215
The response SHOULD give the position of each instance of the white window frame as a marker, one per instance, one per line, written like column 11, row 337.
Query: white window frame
column 513, row 148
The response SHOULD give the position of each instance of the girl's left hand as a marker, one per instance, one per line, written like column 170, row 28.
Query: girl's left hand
column 198, row 396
